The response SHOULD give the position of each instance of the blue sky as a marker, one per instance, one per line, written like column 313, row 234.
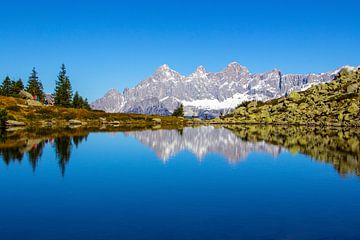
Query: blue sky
column 107, row 44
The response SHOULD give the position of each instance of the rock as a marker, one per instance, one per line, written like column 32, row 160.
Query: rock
column 340, row 117
column 13, row 123
column 33, row 103
column 25, row 95
column 75, row 122
column 252, row 104
column 294, row 96
column 156, row 120
column 303, row 106
column 353, row 109
column 352, row 88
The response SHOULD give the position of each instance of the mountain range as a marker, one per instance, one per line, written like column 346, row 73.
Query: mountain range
column 201, row 142
column 206, row 94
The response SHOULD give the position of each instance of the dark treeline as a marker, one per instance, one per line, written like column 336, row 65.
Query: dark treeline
column 34, row 149
column 63, row 95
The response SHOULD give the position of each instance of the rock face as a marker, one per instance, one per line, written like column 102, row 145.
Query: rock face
column 204, row 93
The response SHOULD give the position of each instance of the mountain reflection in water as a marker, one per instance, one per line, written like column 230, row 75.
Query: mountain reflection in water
column 339, row 147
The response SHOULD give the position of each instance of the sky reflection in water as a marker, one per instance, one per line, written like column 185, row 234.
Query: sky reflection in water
column 201, row 183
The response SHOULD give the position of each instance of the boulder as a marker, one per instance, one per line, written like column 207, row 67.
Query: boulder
column 75, row 122
column 252, row 104
column 156, row 120
column 352, row 88
column 294, row 96
column 13, row 123
column 25, row 95
column 353, row 109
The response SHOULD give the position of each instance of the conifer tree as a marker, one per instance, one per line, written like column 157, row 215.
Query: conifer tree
column 7, row 88
column 63, row 91
column 86, row 104
column 18, row 86
column 80, row 102
column 34, row 86
column 179, row 112
column 77, row 100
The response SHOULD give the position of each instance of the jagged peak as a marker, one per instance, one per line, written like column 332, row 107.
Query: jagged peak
column 199, row 72
column 235, row 66
column 112, row 91
column 200, row 69
column 163, row 68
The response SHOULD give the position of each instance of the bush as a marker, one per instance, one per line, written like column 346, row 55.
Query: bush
column 3, row 118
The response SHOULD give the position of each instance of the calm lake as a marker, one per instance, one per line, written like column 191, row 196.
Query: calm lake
column 237, row 182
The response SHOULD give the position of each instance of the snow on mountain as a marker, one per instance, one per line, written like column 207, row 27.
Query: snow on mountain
column 201, row 141
column 204, row 92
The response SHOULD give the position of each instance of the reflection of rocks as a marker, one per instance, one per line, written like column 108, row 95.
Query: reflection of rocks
column 338, row 146
column 201, row 141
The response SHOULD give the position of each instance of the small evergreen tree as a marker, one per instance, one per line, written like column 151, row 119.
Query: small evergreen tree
column 18, row 86
column 76, row 103
column 7, row 87
column 63, row 91
column 179, row 111
column 34, row 86
column 80, row 102
column 86, row 104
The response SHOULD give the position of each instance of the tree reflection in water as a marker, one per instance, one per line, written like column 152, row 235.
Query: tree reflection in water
column 13, row 148
column 337, row 146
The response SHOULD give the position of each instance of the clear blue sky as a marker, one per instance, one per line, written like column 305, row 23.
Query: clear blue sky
column 107, row 44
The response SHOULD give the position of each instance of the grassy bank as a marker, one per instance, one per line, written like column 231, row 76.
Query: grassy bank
column 36, row 116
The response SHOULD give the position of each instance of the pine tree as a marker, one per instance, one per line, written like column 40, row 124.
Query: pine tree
column 18, row 86
column 86, row 104
column 63, row 91
column 7, row 87
column 34, row 86
column 76, row 103
column 179, row 112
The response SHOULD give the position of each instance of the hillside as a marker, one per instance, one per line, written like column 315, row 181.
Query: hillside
column 335, row 103
column 19, row 113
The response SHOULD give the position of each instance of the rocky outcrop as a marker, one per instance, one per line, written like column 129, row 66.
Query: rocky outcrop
column 335, row 103
column 205, row 93
column 25, row 95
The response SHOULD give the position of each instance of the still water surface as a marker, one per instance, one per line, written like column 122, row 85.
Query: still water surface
column 194, row 183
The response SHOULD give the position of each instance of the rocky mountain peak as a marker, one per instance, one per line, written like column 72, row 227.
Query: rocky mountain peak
column 112, row 92
column 200, row 72
column 200, row 69
column 235, row 67
column 164, row 73
column 204, row 93
column 163, row 68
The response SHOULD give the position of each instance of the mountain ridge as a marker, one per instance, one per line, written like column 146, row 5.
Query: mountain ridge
column 207, row 93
